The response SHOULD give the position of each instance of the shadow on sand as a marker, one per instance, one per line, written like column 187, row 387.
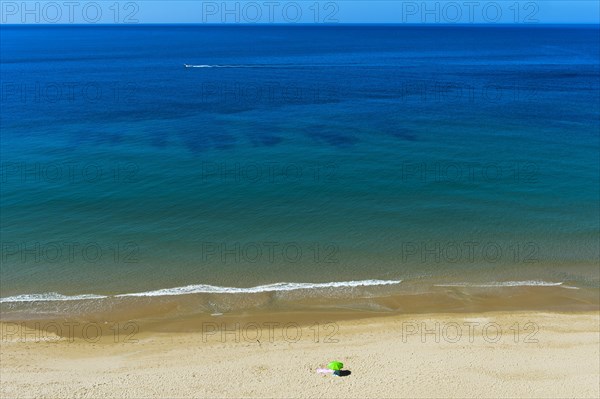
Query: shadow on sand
column 342, row 373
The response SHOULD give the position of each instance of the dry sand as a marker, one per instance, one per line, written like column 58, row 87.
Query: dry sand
column 537, row 355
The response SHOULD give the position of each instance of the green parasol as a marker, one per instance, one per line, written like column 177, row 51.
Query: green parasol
column 335, row 365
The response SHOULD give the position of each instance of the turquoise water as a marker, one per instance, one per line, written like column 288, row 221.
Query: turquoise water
column 297, row 155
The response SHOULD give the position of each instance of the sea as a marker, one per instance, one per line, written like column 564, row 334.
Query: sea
column 211, row 169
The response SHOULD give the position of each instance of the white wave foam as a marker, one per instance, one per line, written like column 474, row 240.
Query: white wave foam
column 530, row 283
column 294, row 66
column 48, row 297
column 225, row 66
column 203, row 289
column 201, row 66
column 209, row 289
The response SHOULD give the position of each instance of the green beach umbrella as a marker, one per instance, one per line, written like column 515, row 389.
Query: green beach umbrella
column 335, row 365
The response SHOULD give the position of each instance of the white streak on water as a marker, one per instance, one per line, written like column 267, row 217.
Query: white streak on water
column 203, row 289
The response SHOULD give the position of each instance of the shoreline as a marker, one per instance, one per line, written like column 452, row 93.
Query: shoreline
column 185, row 313
column 491, row 354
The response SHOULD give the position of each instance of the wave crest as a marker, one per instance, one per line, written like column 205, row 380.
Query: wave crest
column 49, row 297
column 203, row 289
column 529, row 283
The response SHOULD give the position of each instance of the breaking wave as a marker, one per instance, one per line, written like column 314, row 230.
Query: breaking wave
column 204, row 289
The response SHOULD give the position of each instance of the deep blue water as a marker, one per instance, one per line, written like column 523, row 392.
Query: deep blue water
column 297, row 154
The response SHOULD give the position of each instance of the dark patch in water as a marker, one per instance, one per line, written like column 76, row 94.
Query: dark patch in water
column 80, row 139
column 114, row 138
column 404, row 135
column 196, row 142
column 158, row 140
column 328, row 135
column 222, row 141
column 267, row 140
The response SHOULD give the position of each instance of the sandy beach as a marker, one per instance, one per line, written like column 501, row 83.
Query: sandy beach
column 486, row 355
